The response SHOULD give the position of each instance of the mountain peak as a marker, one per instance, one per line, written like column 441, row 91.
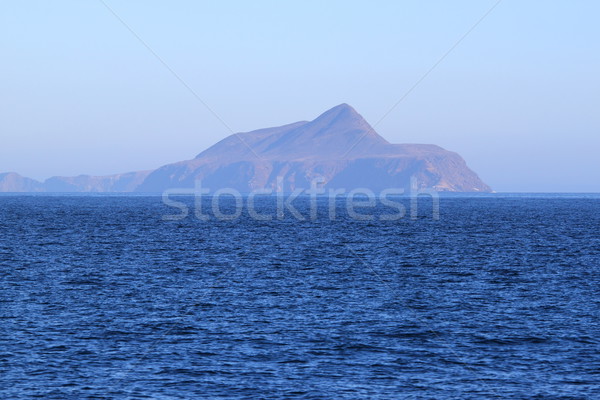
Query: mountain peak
column 342, row 107
column 341, row 112
column 344, row 117
column 339, row 132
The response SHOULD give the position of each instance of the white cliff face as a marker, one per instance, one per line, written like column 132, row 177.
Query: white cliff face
column 339, row 147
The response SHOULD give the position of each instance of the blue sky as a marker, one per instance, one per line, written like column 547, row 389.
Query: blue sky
column 518, row 98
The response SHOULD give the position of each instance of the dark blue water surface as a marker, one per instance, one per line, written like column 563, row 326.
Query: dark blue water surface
column 102, row 299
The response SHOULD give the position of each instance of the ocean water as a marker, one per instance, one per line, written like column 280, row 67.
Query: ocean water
column 101, row 298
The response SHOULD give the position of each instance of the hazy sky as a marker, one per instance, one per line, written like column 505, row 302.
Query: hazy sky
column 518, row 98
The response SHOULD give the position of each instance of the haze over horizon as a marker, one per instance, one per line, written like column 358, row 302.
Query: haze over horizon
column 517, row 98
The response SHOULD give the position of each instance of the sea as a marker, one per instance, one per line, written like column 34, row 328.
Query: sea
column 128, row 297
